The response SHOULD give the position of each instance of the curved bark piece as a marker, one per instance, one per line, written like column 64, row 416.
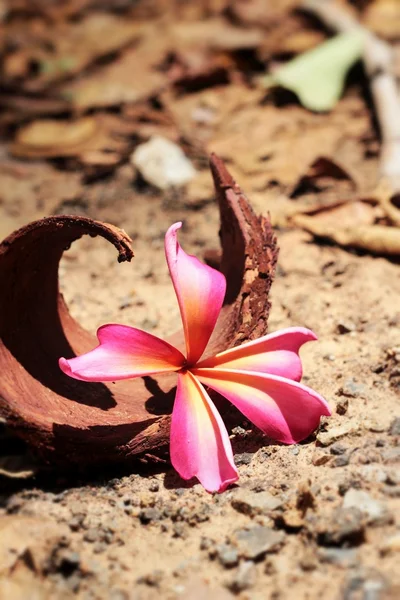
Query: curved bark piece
column 73, row 422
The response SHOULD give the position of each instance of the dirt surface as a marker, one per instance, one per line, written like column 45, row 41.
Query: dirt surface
column 316, row 520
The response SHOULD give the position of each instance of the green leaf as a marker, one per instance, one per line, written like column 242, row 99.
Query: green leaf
column 317, row 77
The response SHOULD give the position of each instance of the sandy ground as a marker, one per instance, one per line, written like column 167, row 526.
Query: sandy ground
column 313, row 520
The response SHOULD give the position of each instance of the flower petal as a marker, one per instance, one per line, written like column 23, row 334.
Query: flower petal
column 200, row 291
column 285, row 410
column 200, row 445
column 123, row 352
column 275, row 353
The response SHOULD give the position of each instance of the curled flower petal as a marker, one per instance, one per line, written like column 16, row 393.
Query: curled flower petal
column 285, row 410
column 200, row 445
column 200, row 291
column 275, row 353
column 123, row 352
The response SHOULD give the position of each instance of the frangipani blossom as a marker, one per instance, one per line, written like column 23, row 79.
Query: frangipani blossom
column 261, row 377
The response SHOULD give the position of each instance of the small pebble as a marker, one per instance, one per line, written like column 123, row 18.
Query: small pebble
column 254, row 543
column 227, row 555
column 154, row 486
column 244, row 578
column 375, row 511
column 351, row 388
column 344, row 327
column 395, row 427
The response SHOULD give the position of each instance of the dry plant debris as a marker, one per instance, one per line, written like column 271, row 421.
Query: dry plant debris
column 317, row 520
column 317, row 77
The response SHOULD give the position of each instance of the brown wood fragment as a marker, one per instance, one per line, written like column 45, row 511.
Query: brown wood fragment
column 72, row 422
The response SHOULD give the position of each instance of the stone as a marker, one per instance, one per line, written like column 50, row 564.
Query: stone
column 152, row 579
column 344, row 327
column 391, row 455
column 243, row 459
column 227, row 555
column 244, row 578
column 206, row 543
column 320, row 458
column 162, row 163
column 374, row 426
column 154, row 486
column 256, row 542
column 308, row 560
column 342, row 406
column 390, row 545
column 250, row 503
column 338, row 448
column 92, row 535
column 395, row 427
column 340, row 461
column 351, row 389
column 343, row 526
column 293, row 519
column 179, row 530
column 373, row 473
column 391, row 491
column 149, row 514
column 375, row 511
column 342, row 557
column 326, row 438
column 366, row 586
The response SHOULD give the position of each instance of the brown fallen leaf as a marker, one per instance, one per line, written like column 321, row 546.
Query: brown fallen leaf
column 215, row 34
column 377, row 239
column 276, row 147
column 326, row 174
column 260, row 12
column 348, row 215
column 56, row 11
column 132, row 77
column 200, row 115
column 139, row 72
column 55, row 138
column 16, row 108
column 280, row 145
column 64, row 49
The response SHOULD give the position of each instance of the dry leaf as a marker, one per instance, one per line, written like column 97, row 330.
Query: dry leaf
column 350, row 226
column 215, row 34
column 277, row 145
column 261, row 12
column 65, row 48
column 55, row 138
column 270, row 145
column 132, row 77
column 317, row 77
column 54, row 10
column 346, row 216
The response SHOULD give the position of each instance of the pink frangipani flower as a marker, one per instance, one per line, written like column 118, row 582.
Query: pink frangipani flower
column 261, row 377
